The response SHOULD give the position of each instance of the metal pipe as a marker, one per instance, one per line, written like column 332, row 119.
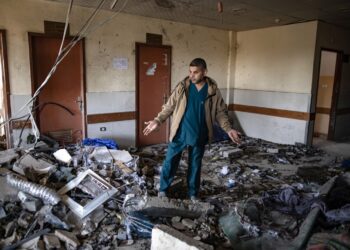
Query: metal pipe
column 48, row 195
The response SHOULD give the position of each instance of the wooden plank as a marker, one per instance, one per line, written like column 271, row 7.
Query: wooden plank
column 321, row 110
column 273, row 112
column 110, row 117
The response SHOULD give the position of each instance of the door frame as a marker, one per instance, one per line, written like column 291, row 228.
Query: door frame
column 138, row 45
column 32, row 35
column 335, row 91
column 6, row 87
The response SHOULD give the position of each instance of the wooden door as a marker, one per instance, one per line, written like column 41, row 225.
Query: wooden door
column 335, row 95
column 64, row 91
column 5, row 109
column 153, row 81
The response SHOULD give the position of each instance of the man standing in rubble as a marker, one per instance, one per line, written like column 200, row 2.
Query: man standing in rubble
column 195, row 104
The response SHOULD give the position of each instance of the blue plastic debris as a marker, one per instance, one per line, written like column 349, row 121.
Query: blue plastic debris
column 139, row 224
column 109, row 143
column 230, row 183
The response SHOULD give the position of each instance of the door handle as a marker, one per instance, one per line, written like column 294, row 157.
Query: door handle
column 79, row 101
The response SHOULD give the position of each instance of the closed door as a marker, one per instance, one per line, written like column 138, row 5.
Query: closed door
column 61, row 101
column 5, row 131
column 153, row 87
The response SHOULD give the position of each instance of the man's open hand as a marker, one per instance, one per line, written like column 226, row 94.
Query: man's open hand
column 151, row 126
column 234, row 136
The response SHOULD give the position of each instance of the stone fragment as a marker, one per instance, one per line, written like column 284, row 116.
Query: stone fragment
column 2, row 213
column 188, row 223
column 176, row 219
column 233, row 153
column 272, row 150
column 51, row 242
column 178, row 226
column 164, row 237
column 7, row 156
column 31, row 244
column 24, row 219
column 122, row 235
column 154, row 206
column 69, row 238
column 7, row 192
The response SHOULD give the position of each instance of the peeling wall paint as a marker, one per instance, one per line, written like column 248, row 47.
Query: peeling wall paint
column 115, row 39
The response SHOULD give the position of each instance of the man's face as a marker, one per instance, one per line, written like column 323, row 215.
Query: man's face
column 196, row 74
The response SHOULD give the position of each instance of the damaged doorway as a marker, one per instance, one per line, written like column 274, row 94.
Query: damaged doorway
column 153, row 81
column 61, row 112
column 5, row 140
column 327, row 95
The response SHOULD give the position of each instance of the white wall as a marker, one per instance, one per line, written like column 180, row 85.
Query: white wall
column 116, row 39
column 274, row 69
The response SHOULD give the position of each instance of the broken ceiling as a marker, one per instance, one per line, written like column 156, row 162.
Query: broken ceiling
column 236, row 15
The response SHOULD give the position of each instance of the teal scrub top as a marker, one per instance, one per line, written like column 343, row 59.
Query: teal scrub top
column 193, row 128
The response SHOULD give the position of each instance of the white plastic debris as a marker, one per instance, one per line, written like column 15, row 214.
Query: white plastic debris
column 121, row 155
column 272, row 150
column 63, row 156
column 102, row 155
column 224, row 171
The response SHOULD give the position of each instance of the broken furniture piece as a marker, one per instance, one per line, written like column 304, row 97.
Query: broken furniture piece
column 96, row 189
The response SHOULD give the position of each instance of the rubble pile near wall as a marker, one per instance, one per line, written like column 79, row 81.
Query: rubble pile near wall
column 87, row 197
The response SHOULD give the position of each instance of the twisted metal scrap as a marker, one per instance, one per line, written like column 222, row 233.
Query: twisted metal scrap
column 45, row 193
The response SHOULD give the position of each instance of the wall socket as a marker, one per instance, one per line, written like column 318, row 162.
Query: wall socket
column 103, row 129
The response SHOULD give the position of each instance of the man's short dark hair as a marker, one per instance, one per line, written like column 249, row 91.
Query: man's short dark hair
column 199, row 62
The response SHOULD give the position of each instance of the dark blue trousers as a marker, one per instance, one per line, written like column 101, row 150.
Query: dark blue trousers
column 171, row 163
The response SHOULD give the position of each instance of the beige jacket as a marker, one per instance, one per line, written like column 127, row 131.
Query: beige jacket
column 215, row 107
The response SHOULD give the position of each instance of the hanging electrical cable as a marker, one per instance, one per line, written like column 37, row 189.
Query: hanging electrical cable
column 63, row 52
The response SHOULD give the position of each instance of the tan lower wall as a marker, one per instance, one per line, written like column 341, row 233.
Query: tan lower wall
column 321, row 124
column 324, row 92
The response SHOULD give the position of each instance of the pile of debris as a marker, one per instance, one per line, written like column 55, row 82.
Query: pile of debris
column 99, row 197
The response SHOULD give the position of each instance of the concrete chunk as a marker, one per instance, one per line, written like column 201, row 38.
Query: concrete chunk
column 69, row 238
column 2, row 213
column 7, row 156
column 51, row 242
column 7, row 192
column 164, row 237
column 164, row 207
column 233, row 153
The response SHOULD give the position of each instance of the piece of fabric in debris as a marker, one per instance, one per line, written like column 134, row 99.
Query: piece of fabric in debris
column 98, row 142
column 336, row 206
column 288, row 200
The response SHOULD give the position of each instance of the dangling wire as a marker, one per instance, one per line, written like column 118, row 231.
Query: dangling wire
column 63, row 51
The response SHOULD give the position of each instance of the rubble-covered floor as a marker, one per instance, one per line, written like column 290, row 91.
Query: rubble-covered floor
column 85, row 197
column 340, row 148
